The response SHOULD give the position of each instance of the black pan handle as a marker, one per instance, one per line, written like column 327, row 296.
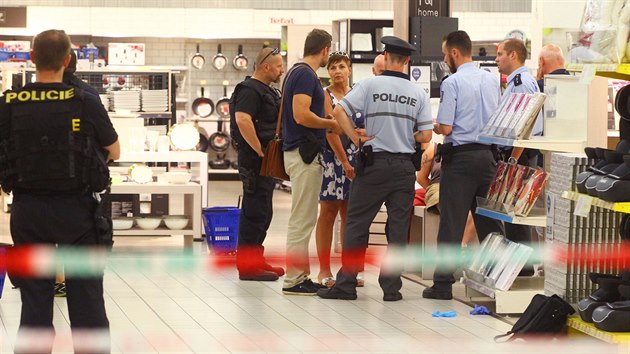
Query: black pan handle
column 219, row 49
column 197, row 48
column 202, row 92
column 240, row 49
column 224, row 90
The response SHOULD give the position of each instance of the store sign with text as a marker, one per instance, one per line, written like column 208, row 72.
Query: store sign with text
column 429, row 8
column 421, row 76
column 13, row 17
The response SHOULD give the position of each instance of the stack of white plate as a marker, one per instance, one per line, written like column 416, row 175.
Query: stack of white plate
column 154, row 100
column 125, row 100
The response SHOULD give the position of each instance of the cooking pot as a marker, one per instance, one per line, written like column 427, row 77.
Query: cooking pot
column 240, row 61
column 219, row 141
column 197, row 60
column 219, row 60
column 223, row 104
column 203, row 106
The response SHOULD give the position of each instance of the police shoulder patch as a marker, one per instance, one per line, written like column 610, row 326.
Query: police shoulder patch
column 517, row 80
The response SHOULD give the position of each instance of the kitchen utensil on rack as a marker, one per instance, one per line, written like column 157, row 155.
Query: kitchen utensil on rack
column 219, row 141
column 240, row 61
column 221, row 163
column 197, row 60
column 203, row 106
column 219, row 60
column 223, row 104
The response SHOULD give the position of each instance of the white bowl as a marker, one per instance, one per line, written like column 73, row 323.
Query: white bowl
column 149, row 222
column 176, row 222
column 175, row 177
column 122, row 223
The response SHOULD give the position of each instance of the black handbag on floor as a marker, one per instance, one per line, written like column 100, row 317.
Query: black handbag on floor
column 544, row 316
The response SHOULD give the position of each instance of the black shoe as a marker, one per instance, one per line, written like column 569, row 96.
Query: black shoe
column 392, row 296
column 433, row 293
column 334, row 293
column 260, row 275
column 307, row 287
column 278, row 270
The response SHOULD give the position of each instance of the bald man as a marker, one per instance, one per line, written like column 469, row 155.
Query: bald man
column 550, row 62
column 379, row 65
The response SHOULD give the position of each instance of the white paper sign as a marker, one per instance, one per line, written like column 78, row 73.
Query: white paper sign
column 421, row 75
column 583, row 205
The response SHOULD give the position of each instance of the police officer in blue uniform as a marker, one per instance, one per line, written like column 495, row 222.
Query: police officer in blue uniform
column 469, row 96
column 511, row 55
column 54, row 144
column 397, row 117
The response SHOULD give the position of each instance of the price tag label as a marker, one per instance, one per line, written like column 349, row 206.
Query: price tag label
column 588, row 73
column 583, row 205
column 551, row 208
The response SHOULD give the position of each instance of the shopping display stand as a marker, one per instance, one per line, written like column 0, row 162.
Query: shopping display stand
column 577, row 121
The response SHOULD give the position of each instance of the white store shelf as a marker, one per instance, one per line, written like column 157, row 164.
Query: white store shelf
column 532, row 220
column 537, row 142
column 514, row 300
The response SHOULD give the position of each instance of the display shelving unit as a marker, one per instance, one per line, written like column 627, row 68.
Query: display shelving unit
column 580, row 121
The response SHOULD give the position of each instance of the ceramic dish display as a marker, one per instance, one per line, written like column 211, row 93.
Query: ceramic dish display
column 122, row 223
column 140, row 173
column 176, row 222
column 148, row 222
column 177, row 177
column 184, row 136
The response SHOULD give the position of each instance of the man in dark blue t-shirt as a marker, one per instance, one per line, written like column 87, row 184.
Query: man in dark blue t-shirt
column 304, row 131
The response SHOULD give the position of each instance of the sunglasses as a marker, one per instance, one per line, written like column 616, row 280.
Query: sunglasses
column 275, row 51
column 338, row 54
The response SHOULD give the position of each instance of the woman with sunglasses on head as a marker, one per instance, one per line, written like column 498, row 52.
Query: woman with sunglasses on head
column 338, row 162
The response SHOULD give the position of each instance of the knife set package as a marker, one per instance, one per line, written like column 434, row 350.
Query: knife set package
column 516, row 116
column 499, row 260
column 517, row 187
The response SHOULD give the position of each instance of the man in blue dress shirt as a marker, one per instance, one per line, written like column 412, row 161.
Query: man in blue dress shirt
column 510, row 60
column 468, row 97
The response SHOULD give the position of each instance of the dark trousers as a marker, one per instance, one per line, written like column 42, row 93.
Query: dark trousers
column 65, row 220
column 389, row 181
column 467, row 176
column 256, row 208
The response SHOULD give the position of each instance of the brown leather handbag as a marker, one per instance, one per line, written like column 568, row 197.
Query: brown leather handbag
column 273, row 161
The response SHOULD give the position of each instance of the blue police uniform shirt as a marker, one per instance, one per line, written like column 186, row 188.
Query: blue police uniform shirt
column 528, row 85
column 302, row 81
column 467, row 100
column 393, row 107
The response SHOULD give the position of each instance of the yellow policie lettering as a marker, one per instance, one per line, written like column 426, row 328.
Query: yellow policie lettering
column 76, row 124
column 50, row 95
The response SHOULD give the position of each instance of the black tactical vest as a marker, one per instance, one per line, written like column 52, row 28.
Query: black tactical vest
column 266, row 119
column 48, row 149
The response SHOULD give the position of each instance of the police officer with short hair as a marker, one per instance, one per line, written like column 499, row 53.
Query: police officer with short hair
column 54, row 144
column 511, row 55
column 469, row 96
column 397, row 116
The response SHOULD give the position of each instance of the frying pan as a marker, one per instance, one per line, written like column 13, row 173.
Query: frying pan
column 198, row 60
column 223, row 104
column 202, row 106
column 219, row 59
column 240, row 61
column 219, row 141
column 203, row 140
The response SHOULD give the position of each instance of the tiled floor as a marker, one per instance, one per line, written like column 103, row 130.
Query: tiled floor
column 208, row 310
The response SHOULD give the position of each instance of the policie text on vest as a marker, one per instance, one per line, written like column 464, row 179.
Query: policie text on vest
column 388, row 97
column 35, row 95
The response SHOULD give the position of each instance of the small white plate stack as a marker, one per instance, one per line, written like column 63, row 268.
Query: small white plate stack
column 154, row 100
column 125, row 100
